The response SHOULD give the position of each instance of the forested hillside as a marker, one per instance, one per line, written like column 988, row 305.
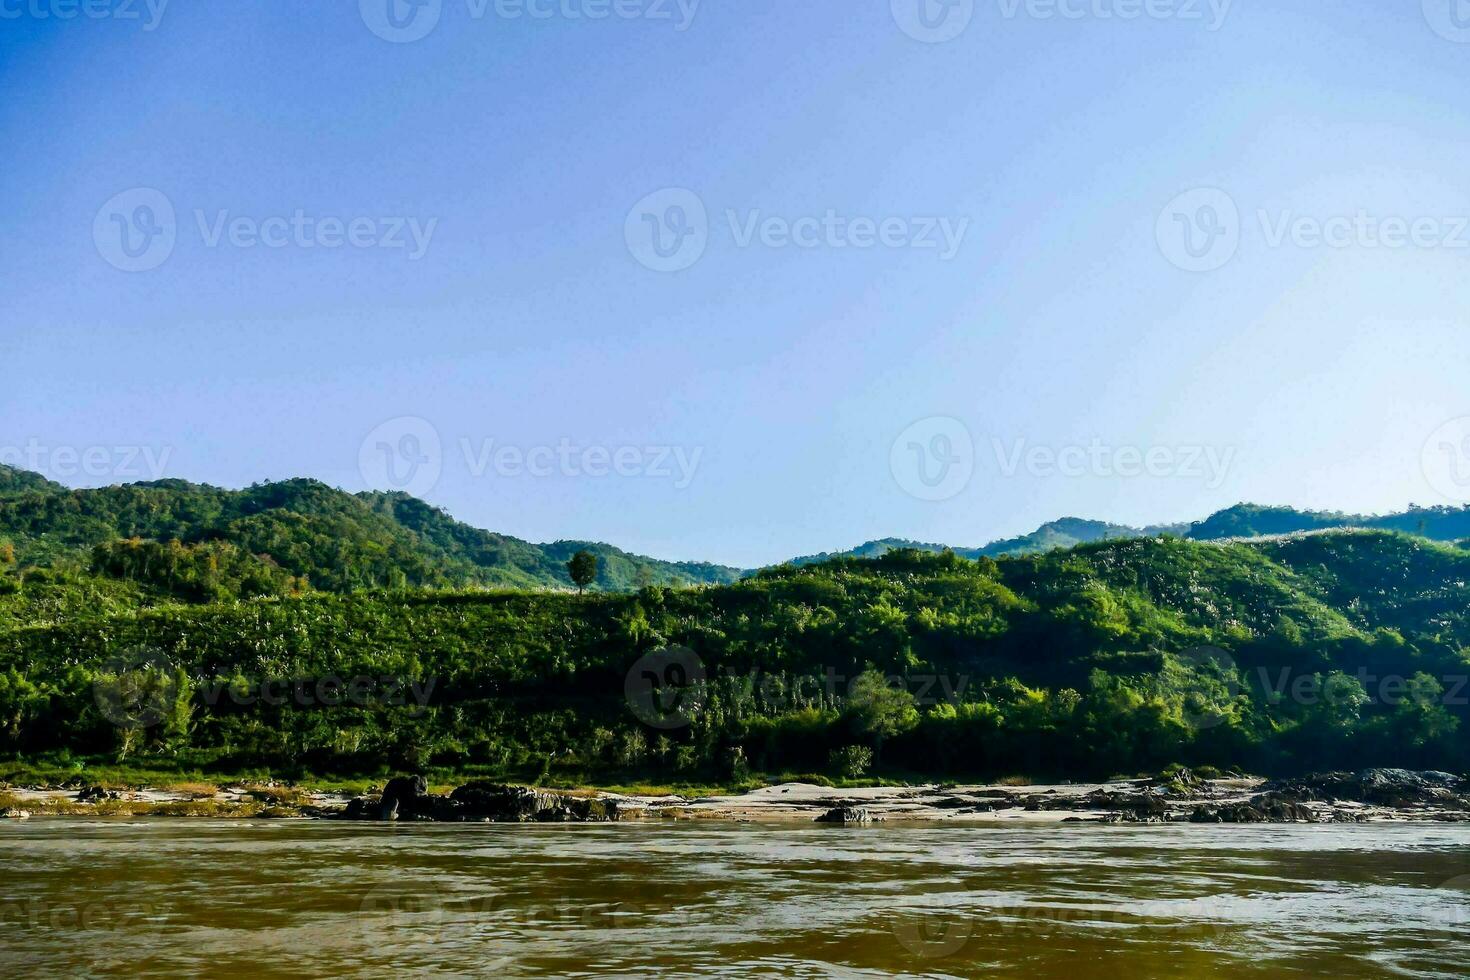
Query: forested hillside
column 197, row 542
column 1341, row 649
column 1241, row 521
column 1250, row 521
column 1067, row 532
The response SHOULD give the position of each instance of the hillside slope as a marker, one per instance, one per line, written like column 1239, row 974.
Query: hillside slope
column 280, row 537
column 1332, row 651
column 1250, row 521
column 1240, row 522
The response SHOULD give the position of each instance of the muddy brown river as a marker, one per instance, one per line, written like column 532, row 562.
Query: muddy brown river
column 710, row 898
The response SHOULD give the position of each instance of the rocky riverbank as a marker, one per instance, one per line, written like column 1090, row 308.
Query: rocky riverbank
column 1180, row 797
column 408, row 798
column 1369, row 795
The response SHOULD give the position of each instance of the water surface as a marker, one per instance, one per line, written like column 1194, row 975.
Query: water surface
column 704, row 898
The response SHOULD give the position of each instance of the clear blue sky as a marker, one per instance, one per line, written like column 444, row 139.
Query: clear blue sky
column 1058, row 321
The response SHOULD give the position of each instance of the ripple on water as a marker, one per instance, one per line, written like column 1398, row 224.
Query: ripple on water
column 713, row 899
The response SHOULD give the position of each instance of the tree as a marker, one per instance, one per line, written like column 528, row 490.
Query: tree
column 583, row 569
column 879, row 709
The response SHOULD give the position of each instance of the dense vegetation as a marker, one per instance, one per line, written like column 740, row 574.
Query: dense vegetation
column 1337, row 649
column 298, row 535
column 1068, row 532
column 1250, row 520
column 1240, row 521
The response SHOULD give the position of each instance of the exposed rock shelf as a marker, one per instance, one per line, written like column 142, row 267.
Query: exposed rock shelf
column 1336, row 797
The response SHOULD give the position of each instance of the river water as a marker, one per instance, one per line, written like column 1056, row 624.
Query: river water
column 705, row 898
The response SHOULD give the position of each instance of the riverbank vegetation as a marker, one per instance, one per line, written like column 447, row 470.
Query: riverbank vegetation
column 1336, row 650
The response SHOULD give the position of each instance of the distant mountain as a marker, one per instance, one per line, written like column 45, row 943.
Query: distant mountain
column 1252, row 521
column 873, row 549
column 1068, row 532
column 1065, row 533
column 1243, row 522
column 302, row 534
column 291, row 534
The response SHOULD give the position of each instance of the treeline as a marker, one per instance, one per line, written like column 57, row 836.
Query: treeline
column 1118, row 657
column 211, row 571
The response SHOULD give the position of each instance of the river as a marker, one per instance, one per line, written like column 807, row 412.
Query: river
column 710, row 898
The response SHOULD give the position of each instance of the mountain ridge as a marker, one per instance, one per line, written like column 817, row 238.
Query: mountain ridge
column 323, row 536
column 1241, row 521
column 302, row 533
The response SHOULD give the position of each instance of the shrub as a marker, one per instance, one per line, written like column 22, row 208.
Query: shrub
column 851, row 761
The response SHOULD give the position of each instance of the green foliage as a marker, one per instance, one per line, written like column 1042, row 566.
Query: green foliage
column 211, row 571
column 879, row 709
column 1072, row 663
column 276, row 538
column 1250, row 520
column 582, row 569
column 851, row 761
column 1242, row 521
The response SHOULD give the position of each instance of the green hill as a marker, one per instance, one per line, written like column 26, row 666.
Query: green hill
column 1250, row 521
column 1243, row 521
column 277, row 538
column 1080, row 662
column 13, row 480
column 1068, row 532
column 1065, row 533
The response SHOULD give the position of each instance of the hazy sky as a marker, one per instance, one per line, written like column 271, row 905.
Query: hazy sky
column 740, row 281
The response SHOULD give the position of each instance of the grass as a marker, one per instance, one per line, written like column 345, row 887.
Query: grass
column 197, row 790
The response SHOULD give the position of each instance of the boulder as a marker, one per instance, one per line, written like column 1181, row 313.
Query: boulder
column 1263, row 808
column 502, row 803
column 363, row 808
column 1380, row 787
column 499, row 802
column 404, row 798
column 846, row 816
column 401, row 796
column 1145, row 808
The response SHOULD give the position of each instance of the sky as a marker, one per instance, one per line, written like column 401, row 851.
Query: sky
column 742, row 281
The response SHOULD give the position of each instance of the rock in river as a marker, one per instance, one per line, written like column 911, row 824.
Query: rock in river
column 406, row 798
